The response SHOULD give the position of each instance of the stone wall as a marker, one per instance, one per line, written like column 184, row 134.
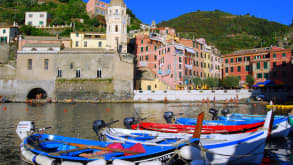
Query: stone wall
column 23, row 88
column 8, row 88
column 4, row 53
column 84, row 89
column 193, row 95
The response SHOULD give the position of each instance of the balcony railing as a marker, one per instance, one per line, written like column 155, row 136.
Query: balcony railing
column 189, row 67
column 143, row 63
column 166, row 72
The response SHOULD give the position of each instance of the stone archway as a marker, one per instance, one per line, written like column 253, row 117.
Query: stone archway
column 33, row 94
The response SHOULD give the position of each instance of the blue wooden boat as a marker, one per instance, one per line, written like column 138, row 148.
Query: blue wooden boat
column 281, row 124
column 189, row 121
column 242, row 148
column 53, row 149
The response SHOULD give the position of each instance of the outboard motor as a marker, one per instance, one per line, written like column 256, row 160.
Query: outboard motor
column 97, row 126
column 214, row 112
column 225, row 112
column 128, row 121
column 25, row 128
column 169, row 117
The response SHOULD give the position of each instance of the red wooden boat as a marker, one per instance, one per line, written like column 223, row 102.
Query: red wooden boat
column 178, row 128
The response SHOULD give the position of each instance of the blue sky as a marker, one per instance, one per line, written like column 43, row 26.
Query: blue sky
column 158, row 10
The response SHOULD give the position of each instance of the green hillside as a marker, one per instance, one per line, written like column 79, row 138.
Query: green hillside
column 61, row 12
column 226, row 31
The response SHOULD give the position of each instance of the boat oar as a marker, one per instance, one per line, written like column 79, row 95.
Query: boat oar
column 198, row 127
column 103, row 148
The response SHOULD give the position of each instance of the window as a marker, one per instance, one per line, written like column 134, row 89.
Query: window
column 77, row 74
column 179, row 66
column 283, row 55
column 29, row 64
column 193, row 73
column 231, row 60
column 116, row 28
column 258, row 65
column 147, row 48
column 266, row 75
column 185, row 71
column 205, row 65
column 196, row 46
column 247, row 67
column 46, row 64
column 41, row 23
column 168, row 49
column 155, row 57
column 155, row 47
column 141, row 49
column 274, row 64
column 41, row 15
column 196, row 54
column 284, row 63
column 4, row 31
column 226, row 61
column 141, row 58
column 265, row 65
column 85, row 44
column 71, row 65
column 180, row 75
column 259, row 75
column 193, row 44
column 77, row 34
column 30, row 22
column 201, row 47
column 185, row 60
column 232, row 69
column 116, row 11
column 149, row 87
column 180, row 59
column 99, row 73
column 155, row 66
column 30, row 15
column 59, row 73
column 100, row 44
column 239, row 59
column 239, row 68
column 141, row 41
column 76, row 43
column 167, row 31
column 190, row 73
column 201, row 55
column 146, row 58
column 274, row 55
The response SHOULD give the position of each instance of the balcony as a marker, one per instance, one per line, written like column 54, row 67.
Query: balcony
column 143, row 63
column 166, row 72
column 189, row 67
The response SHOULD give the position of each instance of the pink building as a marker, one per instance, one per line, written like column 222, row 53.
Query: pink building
column 96, row 7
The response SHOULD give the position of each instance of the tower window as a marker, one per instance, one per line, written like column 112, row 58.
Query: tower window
column 99, row 73
column 78, row 73
column 59, row 73
column 116, row 28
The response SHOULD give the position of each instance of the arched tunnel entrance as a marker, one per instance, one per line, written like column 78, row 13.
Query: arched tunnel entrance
column 37, row 93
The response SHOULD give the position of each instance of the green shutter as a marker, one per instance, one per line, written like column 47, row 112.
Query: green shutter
column 266, row 75
column 258, row 65
column 247, row 68
column 196, row 54
column 265, row 65
column 232, row 69
column 226, row 61
column 239, row 69
column 227, row 70
column 155, row 47
column 274, row 55
column 147, row 48
column 284, row 54
column 231, row 60
column 141, row 49
column 141, row 41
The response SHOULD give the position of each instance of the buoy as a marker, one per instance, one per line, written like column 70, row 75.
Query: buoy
column 4, row 108
column 65, row 110
column 40, row 159
column 107, row 109
column 155, row 162
column 97, row 162
column 190, row 153
column 26, row 109
column 120, row 162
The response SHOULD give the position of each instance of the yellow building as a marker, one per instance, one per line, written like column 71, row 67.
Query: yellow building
column 153, row 85
column 147, row 81
column 88, row 40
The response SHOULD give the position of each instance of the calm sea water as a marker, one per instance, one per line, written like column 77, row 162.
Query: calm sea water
column 76, row 120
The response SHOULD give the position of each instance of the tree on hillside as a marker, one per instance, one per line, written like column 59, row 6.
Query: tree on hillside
column 230, row 82
column 249, row 80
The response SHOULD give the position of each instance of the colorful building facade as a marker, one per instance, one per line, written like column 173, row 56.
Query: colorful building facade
column 271, row 63
column 96, row 7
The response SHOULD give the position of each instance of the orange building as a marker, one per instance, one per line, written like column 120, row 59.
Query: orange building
column 270, row 63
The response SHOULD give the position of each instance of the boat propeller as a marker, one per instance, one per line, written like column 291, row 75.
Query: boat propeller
column 128, row 121
column 100, row 124
column 169, row 117
column 214, row 112
column 225, row 112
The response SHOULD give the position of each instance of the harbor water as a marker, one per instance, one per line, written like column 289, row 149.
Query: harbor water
column 75, row 120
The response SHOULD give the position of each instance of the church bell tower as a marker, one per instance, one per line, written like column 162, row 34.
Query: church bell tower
column 116, row 20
